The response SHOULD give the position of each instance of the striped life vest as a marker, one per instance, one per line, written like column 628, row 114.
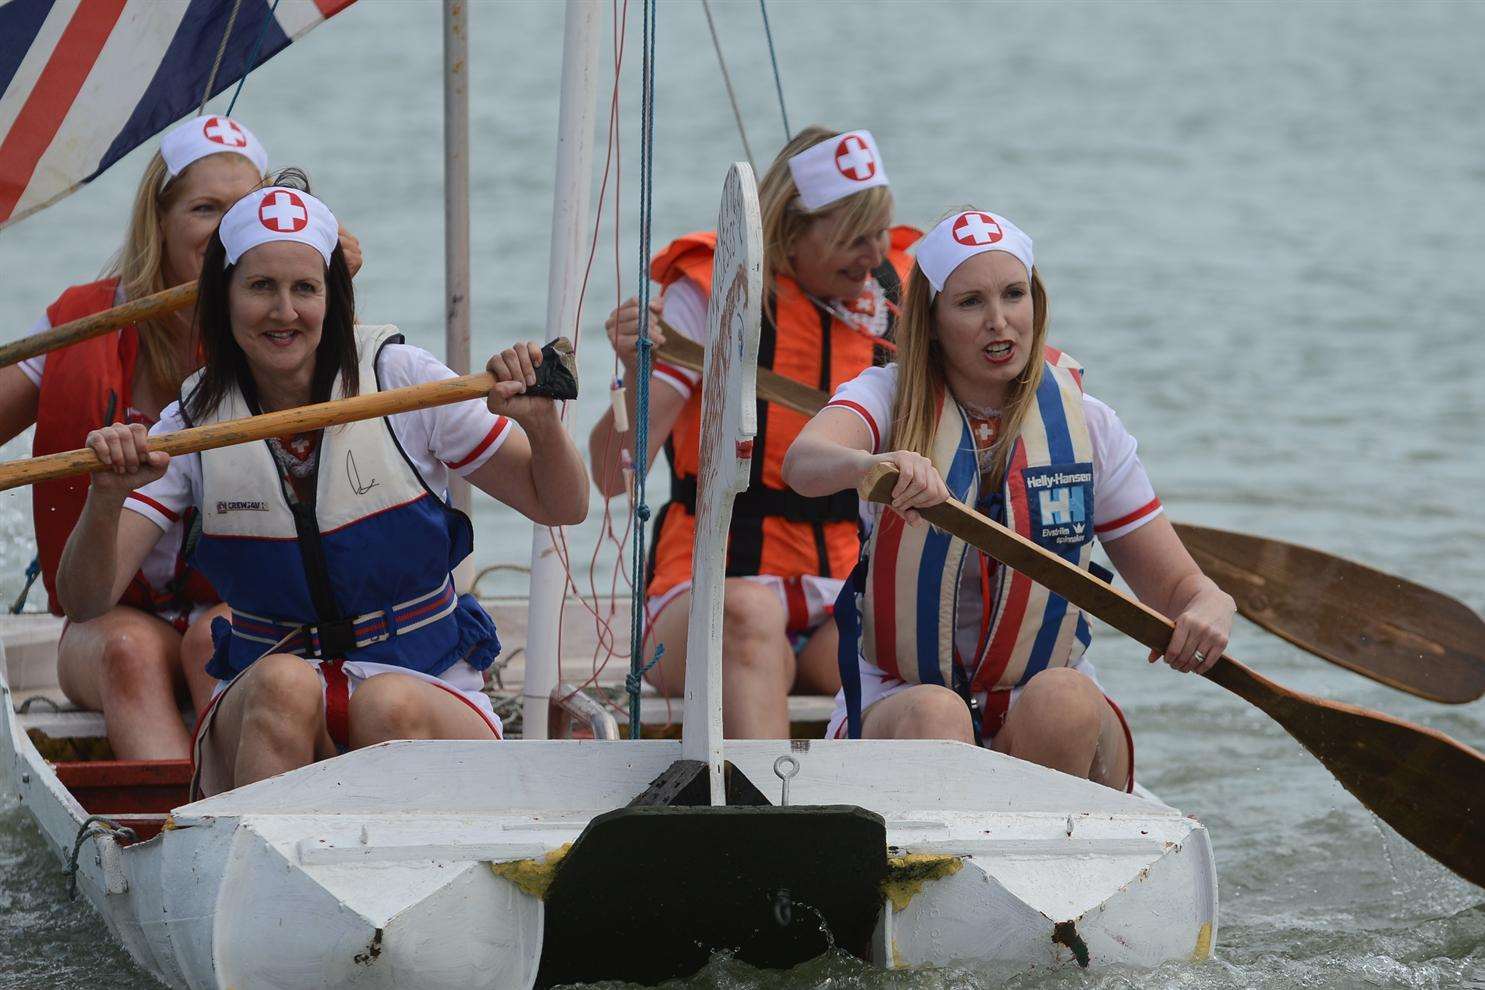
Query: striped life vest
column 910, row 587
column 363, row 574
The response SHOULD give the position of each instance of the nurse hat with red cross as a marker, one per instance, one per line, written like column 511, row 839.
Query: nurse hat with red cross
column 959, row 237
column 278, row 213
column 836, row 168
column 202, row 136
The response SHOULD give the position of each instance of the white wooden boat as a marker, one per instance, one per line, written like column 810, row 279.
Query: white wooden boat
column 447, row 864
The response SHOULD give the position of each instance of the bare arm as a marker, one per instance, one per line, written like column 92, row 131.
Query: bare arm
column 539, row 472
column 605, row 442
column 108, row 545
column 18, row 397
column 833, row 453
column 1160, row 570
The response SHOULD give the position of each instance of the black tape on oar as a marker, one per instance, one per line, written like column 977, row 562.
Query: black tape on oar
column 557, row 376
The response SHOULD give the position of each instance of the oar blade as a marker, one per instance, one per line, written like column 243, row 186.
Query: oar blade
column 1428, row 787
column 1393, row 631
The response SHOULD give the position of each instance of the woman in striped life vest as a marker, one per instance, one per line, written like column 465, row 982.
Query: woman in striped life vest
column 949, row 644
column 139, row 662
column 833, row 267
column 335, row 548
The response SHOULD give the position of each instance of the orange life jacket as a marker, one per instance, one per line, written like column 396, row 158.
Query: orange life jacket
column 774, row 529
column 84, row 387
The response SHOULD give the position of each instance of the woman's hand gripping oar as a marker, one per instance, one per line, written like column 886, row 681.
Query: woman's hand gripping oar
column 1428, row 787
column 1393, row 631
column 555, row 378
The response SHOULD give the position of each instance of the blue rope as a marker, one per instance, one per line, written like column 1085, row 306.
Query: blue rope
column 253, row 58
column 777, row 82
column 33, row 570
column 642, row 385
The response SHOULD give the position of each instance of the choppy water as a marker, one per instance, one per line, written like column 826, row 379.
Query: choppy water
column 1261, row 226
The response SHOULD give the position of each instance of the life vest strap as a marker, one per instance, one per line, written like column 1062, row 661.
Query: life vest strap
column 336, row 638
column 762, row 502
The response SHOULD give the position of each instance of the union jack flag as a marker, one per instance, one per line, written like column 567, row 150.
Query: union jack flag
column 84, row 82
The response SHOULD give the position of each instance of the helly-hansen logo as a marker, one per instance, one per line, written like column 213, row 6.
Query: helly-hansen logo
column 225, row 507
column 1060, row 503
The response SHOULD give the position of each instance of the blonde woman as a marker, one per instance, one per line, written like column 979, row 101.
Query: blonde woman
column 138, row 661
column 833, row 268
column 979, row 407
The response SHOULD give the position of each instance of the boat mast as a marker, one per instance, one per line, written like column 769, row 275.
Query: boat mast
column 456, row 223
column 570, row 218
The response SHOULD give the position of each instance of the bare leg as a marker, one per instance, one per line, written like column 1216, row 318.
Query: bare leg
column 396, row 706
column 195, row 651
column 126, row 664
column 271, row 721
column 757, row 661
column 923, row 711
column 1062, row 720
column 819, row 666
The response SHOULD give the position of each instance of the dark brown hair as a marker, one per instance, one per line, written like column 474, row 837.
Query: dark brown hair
column 225, row 364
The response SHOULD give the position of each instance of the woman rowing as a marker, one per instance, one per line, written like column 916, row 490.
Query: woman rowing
column 136, row 662
column 833, row 267
column 333, row 548
column 977, row 406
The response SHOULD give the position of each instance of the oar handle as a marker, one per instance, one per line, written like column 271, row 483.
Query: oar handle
column 275, row 424
column 88, row 327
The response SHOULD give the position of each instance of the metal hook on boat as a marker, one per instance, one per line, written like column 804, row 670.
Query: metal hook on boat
column 784, row 768
column 94, row 826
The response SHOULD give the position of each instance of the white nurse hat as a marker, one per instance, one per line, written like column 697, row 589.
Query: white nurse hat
column 960, row 237
column 837, row 167
column 278, row 213
column 202, row 136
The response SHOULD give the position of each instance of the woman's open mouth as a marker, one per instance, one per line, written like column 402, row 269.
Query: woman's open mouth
column 1000, row 352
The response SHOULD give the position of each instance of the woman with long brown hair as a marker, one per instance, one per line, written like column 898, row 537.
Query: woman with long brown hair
column 137, row 663
column 978, row 406
column 832, row 267
column 334, row 548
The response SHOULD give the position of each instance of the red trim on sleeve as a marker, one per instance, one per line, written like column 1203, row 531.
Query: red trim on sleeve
column 1134, row 516
column 860, row 410
column 501, row 424
column 154, row 505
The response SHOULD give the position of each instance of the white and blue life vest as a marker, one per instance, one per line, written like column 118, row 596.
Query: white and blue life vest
column 363, row 574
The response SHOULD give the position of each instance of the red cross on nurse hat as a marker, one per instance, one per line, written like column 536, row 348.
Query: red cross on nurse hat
column 837, row 167
column 202, row 136
column 959, row 237
column 278, row 214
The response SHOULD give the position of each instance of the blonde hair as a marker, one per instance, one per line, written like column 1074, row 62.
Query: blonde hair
column 140, row 268
column 921, row 381
column 784, row 220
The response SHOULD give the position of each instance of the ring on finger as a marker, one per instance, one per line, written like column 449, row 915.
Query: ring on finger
column 1199, row 656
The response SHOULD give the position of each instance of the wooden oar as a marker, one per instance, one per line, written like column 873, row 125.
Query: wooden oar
column 1395, row 632
column 275, row 424
column 147, row 308
column 1399, row 633
column 1427, row 786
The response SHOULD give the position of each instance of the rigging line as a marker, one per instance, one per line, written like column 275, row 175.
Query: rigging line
column 216, row 64
column 777, row 82
column 641, row 511
column 253, row 58
column 727, row 81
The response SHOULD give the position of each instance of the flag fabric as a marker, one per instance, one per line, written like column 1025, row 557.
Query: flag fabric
column 84, row 82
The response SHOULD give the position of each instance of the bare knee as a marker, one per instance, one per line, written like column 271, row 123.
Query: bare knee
column 1064, row 701
column 384, row 708
column 283, row 697
column 752, row 624
column 930, row 711
column 131, row 663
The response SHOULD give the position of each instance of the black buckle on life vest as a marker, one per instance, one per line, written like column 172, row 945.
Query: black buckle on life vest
column 336, row 638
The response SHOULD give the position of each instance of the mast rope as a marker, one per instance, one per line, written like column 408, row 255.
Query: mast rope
column 216, row 64
column 252, row 59
column 727, row 82
column 777, row 82
column 640, row 513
